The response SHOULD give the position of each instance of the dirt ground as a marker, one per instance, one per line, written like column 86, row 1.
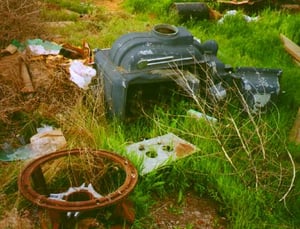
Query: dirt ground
column 111, row 5
column 194, row 212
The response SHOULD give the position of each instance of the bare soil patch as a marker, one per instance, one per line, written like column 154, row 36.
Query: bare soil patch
column 109, row 5
column 193, row 212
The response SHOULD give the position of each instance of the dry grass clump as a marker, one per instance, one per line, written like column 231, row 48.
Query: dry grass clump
column 14, row 219
column 20, row 20
column 53, row 91
column 10, row 85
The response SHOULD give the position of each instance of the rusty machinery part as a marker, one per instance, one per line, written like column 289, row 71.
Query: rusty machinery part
column 89, row 190
column 30, row 170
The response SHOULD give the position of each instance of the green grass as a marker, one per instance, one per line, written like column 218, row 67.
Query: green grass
column 82, row 7
column 243, row 161
column 59, row 15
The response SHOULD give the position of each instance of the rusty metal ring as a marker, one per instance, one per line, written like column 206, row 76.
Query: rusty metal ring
column 25, row 186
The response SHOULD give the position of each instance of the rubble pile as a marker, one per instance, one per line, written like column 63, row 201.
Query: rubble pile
column 33, row 86
column 20, row 19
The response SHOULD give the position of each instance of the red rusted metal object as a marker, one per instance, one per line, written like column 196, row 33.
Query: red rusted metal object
column 32, row 184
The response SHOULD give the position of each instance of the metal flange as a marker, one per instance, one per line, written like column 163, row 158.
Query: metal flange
column 33, row 170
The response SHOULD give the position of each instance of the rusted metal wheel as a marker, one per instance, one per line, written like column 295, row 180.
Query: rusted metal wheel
column 34, row 186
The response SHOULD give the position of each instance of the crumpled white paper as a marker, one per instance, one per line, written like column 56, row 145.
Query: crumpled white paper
column 81, row 74
column 234, row 12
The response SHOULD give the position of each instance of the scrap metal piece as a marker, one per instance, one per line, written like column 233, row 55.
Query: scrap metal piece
column 158, row 151
column 64, row 196
column 188, row 10
column 145, row 58
column 218, row 92
column 30, row 180
column 259, row 86
column 169, row 54
column 143, row 63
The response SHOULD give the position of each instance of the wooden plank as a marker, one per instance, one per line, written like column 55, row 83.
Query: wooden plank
column 295, row 131
column 292, row 48
column 247, row 2
column 292, row 8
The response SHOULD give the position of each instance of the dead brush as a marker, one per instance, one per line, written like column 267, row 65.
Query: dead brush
column 54, row 94
column 251, row 143
column 20, row 20
column 17, row 220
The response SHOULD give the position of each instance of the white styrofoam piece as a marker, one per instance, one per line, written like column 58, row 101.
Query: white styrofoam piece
column 157, row 151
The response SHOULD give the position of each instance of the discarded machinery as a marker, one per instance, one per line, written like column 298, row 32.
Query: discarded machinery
column 259, row 86
column 72, row 197
column 169, row 53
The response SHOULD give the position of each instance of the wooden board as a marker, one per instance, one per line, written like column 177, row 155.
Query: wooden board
column 295, row 131
column 292, row 48
column 247, row 2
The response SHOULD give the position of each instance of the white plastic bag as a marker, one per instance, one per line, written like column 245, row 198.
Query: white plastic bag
column 47, row 140
column 81, row 74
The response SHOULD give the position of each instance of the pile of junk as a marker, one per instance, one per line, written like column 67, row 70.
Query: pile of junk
column 172, row 54
column 167, row 55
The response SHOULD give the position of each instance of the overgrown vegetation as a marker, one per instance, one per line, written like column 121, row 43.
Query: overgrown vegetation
column 244, row 161
column 20, row 20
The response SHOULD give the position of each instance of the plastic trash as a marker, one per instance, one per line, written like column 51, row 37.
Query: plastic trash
column 81, row 74
column 234, row 12
column 40, row 47
column 199, row 115
column 46, row 141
